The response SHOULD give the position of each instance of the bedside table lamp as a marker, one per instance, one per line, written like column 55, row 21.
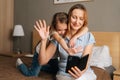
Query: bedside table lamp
column 18, row 32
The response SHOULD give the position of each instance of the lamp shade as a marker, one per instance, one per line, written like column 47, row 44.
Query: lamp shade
column 18, row 30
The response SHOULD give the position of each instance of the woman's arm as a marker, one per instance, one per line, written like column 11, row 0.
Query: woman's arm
column 45, row 54
column 88, row 50
column 77, row 72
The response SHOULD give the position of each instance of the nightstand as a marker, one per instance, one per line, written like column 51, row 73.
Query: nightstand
column 117, row 75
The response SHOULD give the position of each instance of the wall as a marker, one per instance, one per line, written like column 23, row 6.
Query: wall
column 104, row 15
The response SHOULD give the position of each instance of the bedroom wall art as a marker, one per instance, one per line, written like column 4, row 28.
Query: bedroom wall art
column 67, row 1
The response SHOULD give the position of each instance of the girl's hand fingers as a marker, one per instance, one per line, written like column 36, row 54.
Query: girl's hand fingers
column 37, row 25
column 74, row 50
column 72, row 42
column 36, row 28
column 79, row 49
column 44, row 23
column 40, row 26
column 40, row 23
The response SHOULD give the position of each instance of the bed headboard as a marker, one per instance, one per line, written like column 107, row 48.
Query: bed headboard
column 35, row 39
column 111, row 39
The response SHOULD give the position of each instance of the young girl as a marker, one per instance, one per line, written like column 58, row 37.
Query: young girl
column 58, row 31
column 59, row 24
column 77, row 19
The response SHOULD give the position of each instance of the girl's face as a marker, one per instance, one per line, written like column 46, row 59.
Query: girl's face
column 61, row 28
column 77, row 19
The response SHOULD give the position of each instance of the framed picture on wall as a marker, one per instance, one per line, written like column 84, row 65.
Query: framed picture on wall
column 67, row 1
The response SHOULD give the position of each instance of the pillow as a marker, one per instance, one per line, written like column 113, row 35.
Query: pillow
column 101, row 57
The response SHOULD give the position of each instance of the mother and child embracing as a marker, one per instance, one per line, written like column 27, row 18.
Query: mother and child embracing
column 67, row 35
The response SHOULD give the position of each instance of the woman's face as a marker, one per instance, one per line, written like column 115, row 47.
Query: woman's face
column 77, row 19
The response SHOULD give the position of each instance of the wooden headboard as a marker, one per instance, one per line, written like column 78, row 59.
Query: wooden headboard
column 111, row 39
column 35, row 39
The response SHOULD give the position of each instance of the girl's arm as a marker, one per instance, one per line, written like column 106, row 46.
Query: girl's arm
column 78, row 34
column 62, row 42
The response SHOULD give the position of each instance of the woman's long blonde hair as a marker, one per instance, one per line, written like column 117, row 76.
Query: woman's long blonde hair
column 81, row 7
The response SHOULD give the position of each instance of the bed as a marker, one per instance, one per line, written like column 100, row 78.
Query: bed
column 109, row 39
column 8, row 69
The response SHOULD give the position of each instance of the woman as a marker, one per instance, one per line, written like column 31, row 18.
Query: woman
column 77, row 19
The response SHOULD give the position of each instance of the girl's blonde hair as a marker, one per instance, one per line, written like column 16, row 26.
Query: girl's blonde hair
column 61, row 17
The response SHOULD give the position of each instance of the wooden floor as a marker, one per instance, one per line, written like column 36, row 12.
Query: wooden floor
column 8, row 70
